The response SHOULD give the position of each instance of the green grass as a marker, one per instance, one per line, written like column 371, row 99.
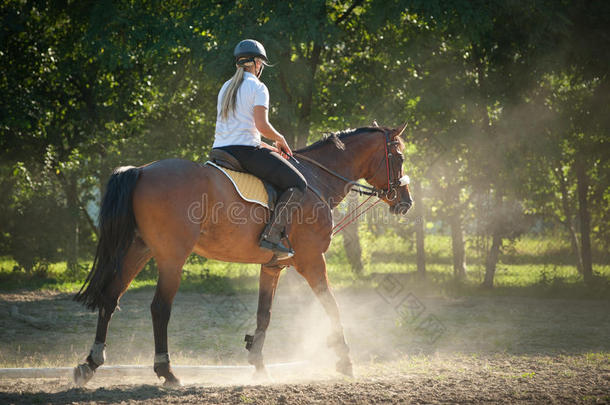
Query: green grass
column 200, row 275
column 530, row 266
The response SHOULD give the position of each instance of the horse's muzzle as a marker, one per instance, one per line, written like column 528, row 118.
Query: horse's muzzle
column 401, row 208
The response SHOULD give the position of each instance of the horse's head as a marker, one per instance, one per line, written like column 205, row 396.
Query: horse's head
column 386, row 173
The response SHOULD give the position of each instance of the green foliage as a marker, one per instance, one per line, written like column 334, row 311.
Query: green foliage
column 31, row 200
column 504, row 100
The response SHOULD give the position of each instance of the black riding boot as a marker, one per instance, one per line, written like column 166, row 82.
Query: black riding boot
column 275, row 231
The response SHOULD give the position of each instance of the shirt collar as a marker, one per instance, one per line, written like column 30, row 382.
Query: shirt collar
column 248, row 73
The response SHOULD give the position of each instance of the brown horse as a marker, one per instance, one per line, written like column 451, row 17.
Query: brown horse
column 171, row 208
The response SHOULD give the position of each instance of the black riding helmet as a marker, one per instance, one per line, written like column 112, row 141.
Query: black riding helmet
column 250, row 48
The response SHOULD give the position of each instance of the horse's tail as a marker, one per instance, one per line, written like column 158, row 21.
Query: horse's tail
column 117, row 229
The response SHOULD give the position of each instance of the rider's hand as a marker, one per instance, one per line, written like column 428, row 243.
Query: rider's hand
column 271, row 147
column 282, row 145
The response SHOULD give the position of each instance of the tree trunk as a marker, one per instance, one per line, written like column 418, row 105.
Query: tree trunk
column 487, row 128
column 457, row 233
column 302, row 133
column 299, row 97
column 496, row 244
column 457, row 247
column 419, row 230
column 585, row 219
column 492, row 260
column 307, row 105
column 569, row 222
column 351, row 239
column 575, row 246
column 73, row 212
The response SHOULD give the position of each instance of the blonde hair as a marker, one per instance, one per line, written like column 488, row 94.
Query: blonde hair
column 229, row 99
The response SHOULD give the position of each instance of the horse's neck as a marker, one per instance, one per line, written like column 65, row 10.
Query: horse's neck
column 347, row 163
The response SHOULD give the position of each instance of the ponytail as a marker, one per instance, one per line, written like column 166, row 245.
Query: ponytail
column 229, row 99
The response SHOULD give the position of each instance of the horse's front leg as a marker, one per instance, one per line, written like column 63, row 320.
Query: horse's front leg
column 313, row 269
column 267, row 285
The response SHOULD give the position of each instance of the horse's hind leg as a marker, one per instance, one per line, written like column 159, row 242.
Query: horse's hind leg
column 170, row 271
column 137, row 256
column 267, row 285
column 314, row 271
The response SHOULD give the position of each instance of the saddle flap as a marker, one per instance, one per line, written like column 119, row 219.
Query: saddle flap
column 225, row 159
column 249, row 187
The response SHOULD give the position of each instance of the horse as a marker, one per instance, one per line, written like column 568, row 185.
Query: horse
column 171, row 208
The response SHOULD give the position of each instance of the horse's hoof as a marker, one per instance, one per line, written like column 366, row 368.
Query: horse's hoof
column 260, row 375
column 256, row 359
column 164, row 370
column 172, row 382
column 82, row 374
column 345, row 367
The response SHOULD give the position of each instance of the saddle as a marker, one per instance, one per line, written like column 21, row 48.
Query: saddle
column 248, row 186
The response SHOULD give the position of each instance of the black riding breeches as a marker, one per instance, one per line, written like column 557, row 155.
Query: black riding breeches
column 268, row 165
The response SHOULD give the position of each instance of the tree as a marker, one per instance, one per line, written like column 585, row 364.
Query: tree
column 80, row 81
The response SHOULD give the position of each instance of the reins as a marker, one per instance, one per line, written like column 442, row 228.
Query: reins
column 359, row 188
column 344, row 222
column 362, row 188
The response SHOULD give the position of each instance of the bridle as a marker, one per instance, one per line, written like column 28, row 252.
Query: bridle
column 390, row 192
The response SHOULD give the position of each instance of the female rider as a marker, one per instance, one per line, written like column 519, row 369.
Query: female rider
column 242, row 117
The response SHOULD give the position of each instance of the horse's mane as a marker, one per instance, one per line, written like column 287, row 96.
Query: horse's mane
column 337, row 138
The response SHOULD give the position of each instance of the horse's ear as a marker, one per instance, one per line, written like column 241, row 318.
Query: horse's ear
column 375, row 124
column 398, row 131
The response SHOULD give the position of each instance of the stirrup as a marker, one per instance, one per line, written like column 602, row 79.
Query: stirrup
column 281, row 251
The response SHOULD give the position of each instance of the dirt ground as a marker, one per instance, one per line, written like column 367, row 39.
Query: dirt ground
column 496, row 379
column 406, row 348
